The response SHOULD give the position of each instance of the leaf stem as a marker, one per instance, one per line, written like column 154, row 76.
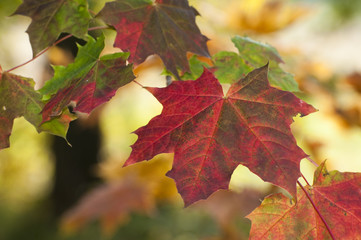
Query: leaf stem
column 310, row 159
column 305, row 179
column 138, row 83
column 54, row 44
column 316, row 209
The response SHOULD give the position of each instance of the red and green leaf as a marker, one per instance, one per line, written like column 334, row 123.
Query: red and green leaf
column 211, row 134
column 337, row 197
column 52, row 17
column 18, row 98
column 163, row 27
column 88, row 82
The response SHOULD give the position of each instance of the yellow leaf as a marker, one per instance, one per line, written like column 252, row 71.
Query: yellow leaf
column 264, row 16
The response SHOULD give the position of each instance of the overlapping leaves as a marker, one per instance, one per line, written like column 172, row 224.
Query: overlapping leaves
column 211, row 134
column 88, row 82
column 18, row 98
column 337, row 197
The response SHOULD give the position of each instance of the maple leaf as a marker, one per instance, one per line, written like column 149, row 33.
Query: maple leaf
column 18, row 98
column 211, row 134
column 133, row 189
column 337, row 197
column 52, row 17
column 112, row 203
column 89, row 81
column 226, row 207
column 231, row 66
column 163, row 27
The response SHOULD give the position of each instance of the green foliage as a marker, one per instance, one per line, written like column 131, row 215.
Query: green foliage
column 252, row 54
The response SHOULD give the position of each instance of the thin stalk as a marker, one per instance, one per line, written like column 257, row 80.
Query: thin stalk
column 54, row 44
column 305, row 179
column 316, row 209
column 314, row 163
column 92, row 12
column 138, row 83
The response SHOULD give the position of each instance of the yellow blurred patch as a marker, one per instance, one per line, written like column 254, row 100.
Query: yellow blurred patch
column 58, row 56
column 152, row 172
column 264, row 16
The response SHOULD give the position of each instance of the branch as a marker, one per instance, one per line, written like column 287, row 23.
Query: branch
column 316, row 209
column 54, row 44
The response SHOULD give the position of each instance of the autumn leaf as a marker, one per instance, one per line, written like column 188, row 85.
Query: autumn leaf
column 337, row 197
column 152, row 173
column 88, row 82
column 18, row 98
column 163, row 27
column 128, row 190
column 211, row 134
column 112, row 204
column 52, row 17
column 264, row 16
column 226, row 207
column 196, row 66
column 230, row 67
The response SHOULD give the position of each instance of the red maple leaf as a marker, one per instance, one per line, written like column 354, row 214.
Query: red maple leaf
column 337, row 197
column 163, row 27
column 211, row 134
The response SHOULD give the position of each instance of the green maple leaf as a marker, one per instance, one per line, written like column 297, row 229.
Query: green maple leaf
column 231, row 66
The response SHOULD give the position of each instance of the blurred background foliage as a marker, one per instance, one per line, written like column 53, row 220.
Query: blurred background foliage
column 49, row 192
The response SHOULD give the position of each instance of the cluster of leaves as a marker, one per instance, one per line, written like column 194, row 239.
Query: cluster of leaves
column 209, row 133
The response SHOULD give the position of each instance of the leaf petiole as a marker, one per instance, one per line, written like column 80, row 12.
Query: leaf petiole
column 313, row 162
column 305, row 179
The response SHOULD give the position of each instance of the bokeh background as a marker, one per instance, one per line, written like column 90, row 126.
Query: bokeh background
column 49, row 190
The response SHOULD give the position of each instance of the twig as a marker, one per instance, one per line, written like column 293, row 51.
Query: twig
column 54, row 44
